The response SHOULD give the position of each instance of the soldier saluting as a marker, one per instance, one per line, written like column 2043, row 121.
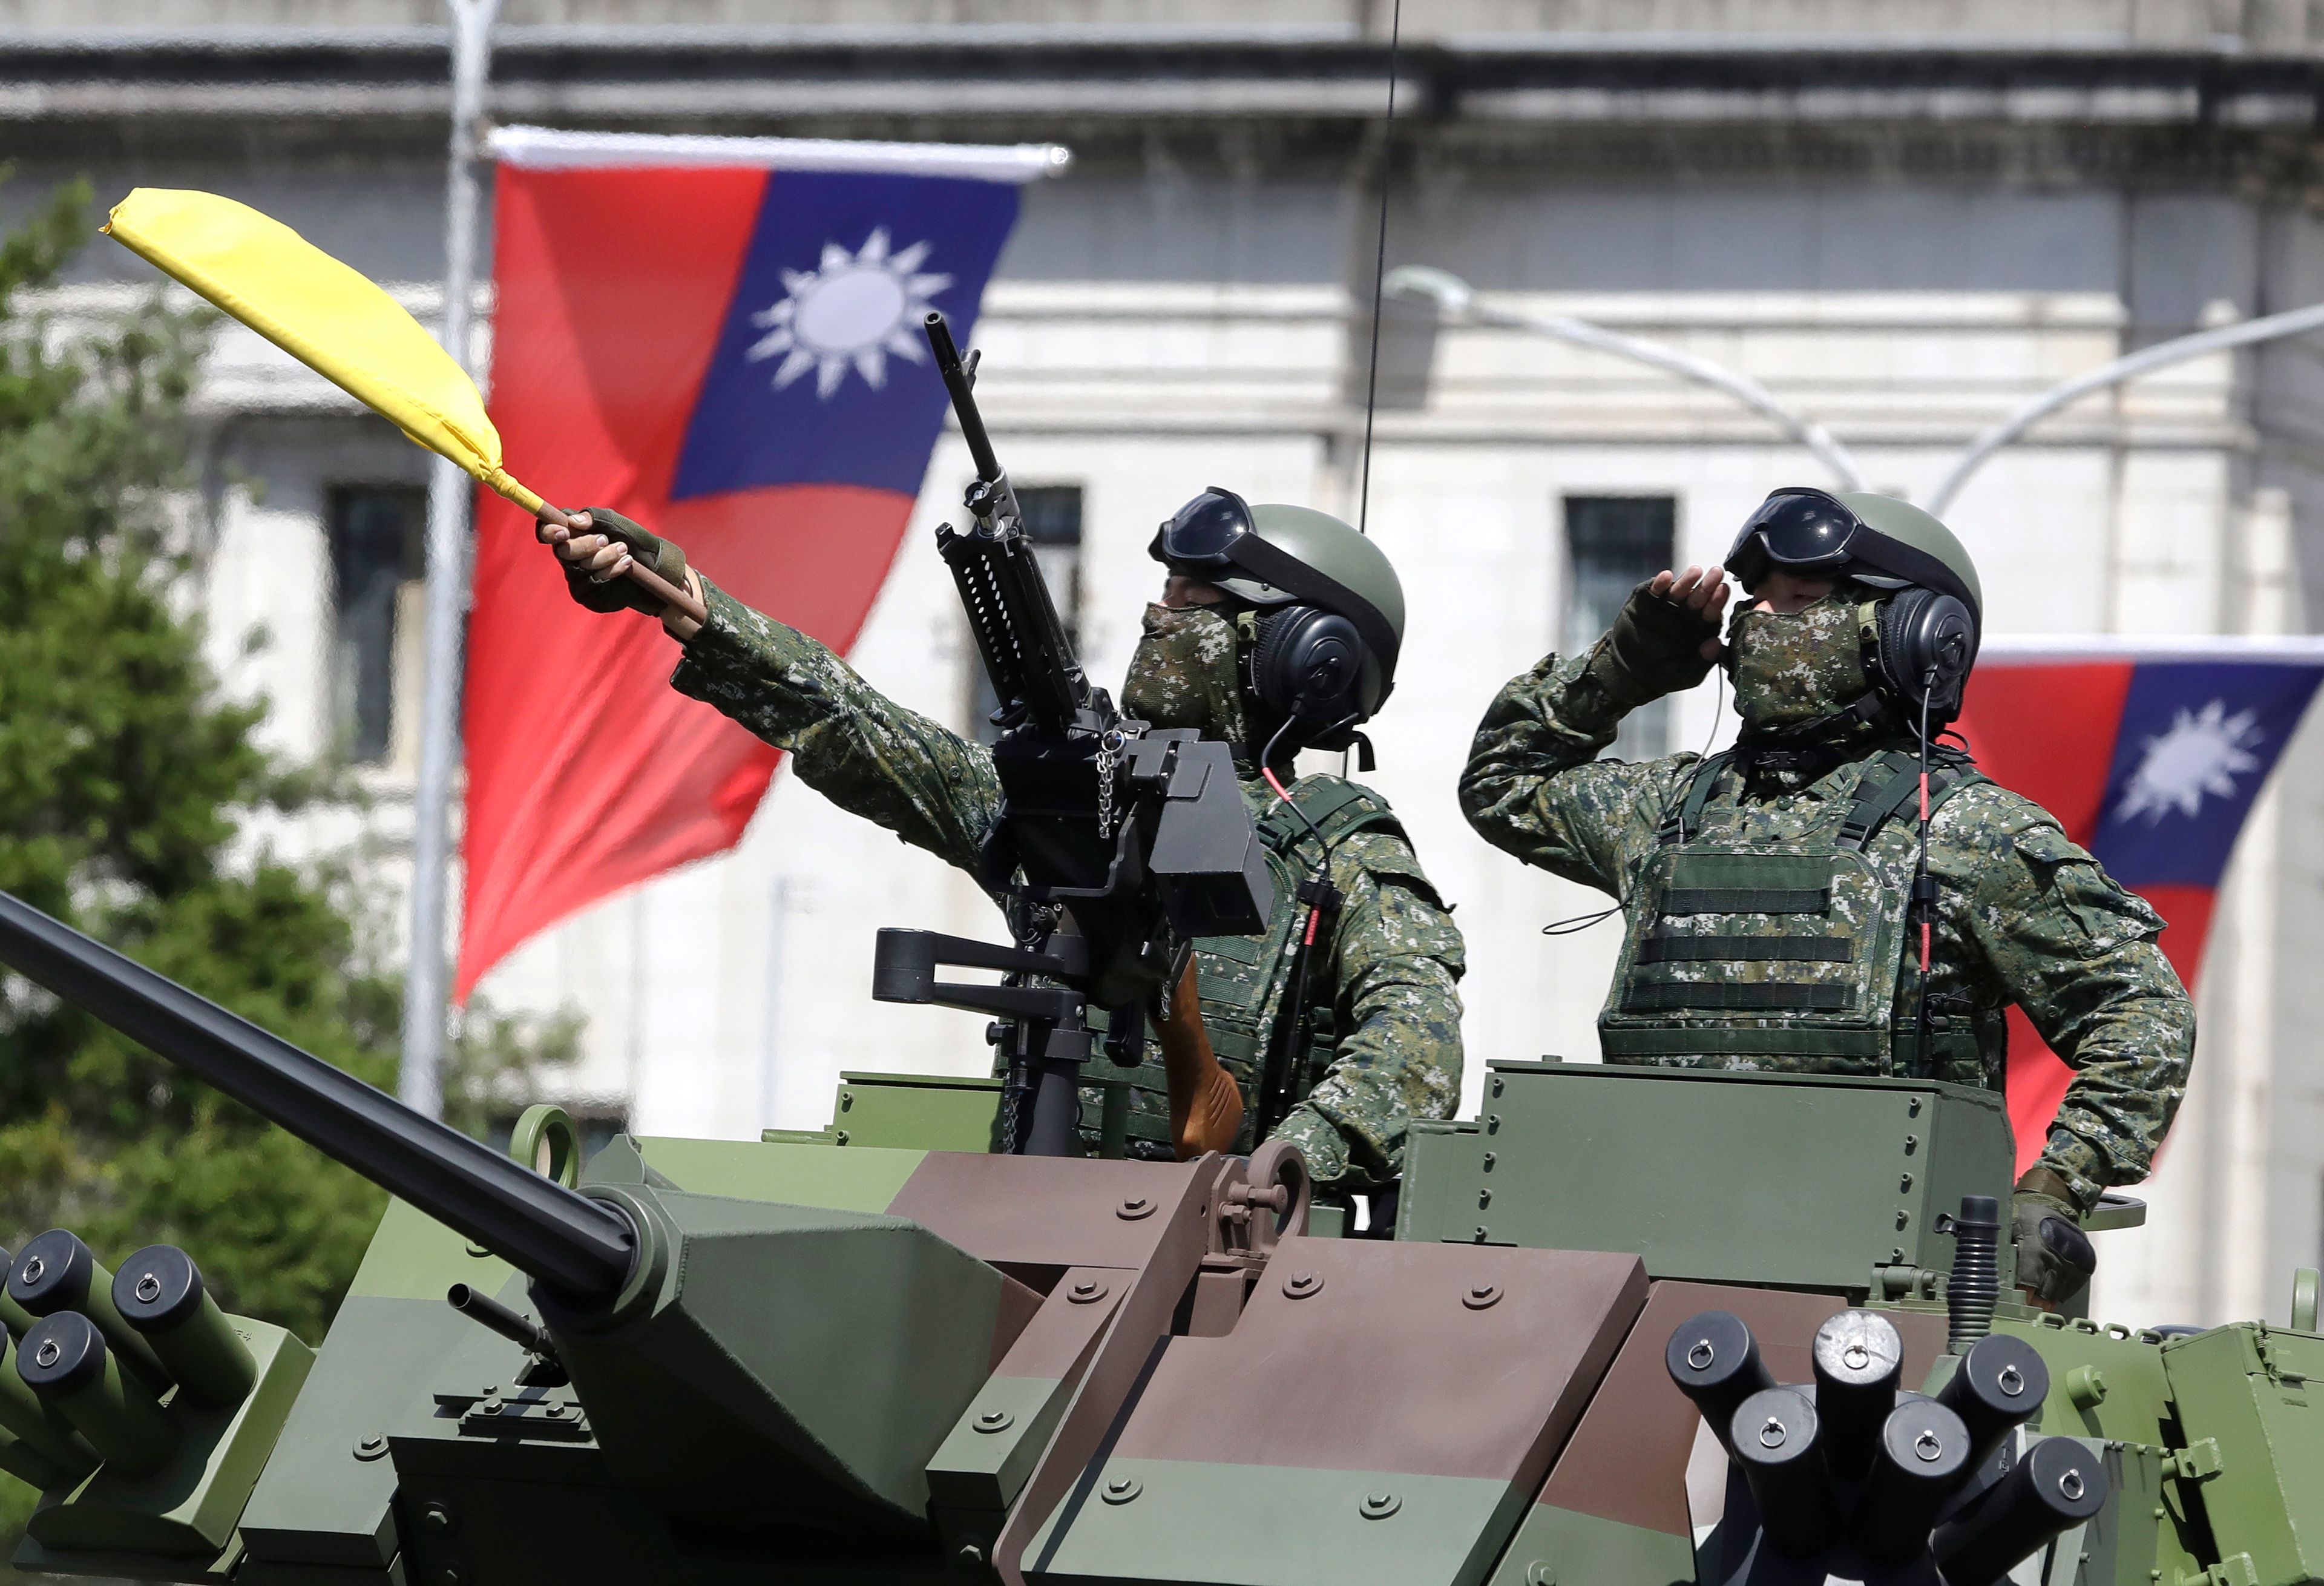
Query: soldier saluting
column 1278, row 629
column 1791, row 903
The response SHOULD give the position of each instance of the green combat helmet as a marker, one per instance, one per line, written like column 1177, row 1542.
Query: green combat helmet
column 1330, row 619
column 1920, row 636
column 1901, row 521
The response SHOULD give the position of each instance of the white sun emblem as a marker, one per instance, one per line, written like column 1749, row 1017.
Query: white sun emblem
column 2200, row 755
column 851, row 311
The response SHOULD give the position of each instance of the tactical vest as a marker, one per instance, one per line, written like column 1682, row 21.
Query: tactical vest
column 1790, row 954
column 1242, row 978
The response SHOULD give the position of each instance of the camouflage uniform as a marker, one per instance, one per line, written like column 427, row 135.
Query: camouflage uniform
column 2023, row 915
column 1385, row 987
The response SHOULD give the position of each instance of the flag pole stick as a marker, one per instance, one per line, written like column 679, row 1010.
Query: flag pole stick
column 451, row 492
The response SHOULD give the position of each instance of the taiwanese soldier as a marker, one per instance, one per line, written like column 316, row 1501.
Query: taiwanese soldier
column 1276, row 630
column 1780, row 912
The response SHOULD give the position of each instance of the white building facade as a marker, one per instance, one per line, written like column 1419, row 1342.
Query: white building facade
column 1903, row 237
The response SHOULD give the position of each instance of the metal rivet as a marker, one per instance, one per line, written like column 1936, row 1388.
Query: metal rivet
column 1300, row 1285
column 1492, row 1123
column 1903, row 1221
column 2070, row 1485
column 1896, row 1253
column 1134, row 1208
column 1481, row 1294
column 1771, row 1433
column 846, row 1099
column 995, row 1421
column 554, row 1412
column 1912, row 1144
column 1701, row 1354
column 1913, row 1108
column 1380, row 1506
column 149, row 1288
column 1087, row 1292
column 1489, row 1160
column 1499, row 1085
column 1904, row 1182
column 1122, row 1488
column 491, row 1405
column 1481, row 1233
column 1541, row 1573
column 1928, row 1447
column 1484, row 1199
column 371, row 1447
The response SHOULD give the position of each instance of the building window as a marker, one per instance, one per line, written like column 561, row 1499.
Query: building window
column 378, row 559
column 1611, row 543
column 1053, row 522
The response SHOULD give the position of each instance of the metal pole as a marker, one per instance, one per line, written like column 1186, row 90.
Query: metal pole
column 2296, row 322
column 1456, row 302
column 419, row 1083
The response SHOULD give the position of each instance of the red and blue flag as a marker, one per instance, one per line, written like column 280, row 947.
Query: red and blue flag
column 720, row 339
column 2150, row 753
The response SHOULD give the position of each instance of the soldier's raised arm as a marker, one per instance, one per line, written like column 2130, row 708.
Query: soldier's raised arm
column 1534, row 784
column 871, row 756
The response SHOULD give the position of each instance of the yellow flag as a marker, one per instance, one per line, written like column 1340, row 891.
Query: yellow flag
column 330, row 318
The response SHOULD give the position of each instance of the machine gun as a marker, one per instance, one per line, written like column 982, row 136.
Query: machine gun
column 1116, row 843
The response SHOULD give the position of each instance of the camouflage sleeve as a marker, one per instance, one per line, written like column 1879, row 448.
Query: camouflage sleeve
column 2077, row 953
column 1535, row 786
column 932, row 787
column 1397, row 955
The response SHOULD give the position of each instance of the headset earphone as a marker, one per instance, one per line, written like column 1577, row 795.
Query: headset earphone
column 1919, row 642
column 1310, row 666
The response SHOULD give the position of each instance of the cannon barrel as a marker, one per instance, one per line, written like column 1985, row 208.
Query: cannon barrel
column 579, row 1247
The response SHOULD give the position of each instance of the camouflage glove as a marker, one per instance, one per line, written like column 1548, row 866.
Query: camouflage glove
column 1655, row 648
column 615, row 594
column 2054, row 1256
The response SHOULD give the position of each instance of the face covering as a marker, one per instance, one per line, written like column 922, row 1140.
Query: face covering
column 1798, row 667
column 1182, row 674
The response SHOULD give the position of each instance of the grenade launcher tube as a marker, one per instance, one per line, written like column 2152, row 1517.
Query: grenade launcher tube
column 576, row 1246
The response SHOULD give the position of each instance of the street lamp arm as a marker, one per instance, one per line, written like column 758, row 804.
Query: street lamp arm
column 1455, row 302
column 2272, row 328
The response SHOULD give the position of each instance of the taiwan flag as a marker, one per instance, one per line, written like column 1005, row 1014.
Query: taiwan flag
column 2150, row 753
column 721, row 338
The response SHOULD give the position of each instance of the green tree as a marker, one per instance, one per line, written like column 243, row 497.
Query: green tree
column 127, row 788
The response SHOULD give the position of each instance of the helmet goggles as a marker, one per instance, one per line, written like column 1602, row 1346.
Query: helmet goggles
column 1199, row 540
column 1813, row 534
column 1806, row 532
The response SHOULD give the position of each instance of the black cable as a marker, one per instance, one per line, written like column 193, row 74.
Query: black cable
column 1379, row 267
column 1580, row 922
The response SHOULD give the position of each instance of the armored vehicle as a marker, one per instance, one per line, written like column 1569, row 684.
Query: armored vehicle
column 881, row 1352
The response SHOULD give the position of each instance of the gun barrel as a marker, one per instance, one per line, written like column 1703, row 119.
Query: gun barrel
column 573, row 1244
column 963, row 399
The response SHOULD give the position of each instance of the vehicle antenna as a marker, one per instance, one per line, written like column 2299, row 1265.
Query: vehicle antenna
column 1379, row 270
